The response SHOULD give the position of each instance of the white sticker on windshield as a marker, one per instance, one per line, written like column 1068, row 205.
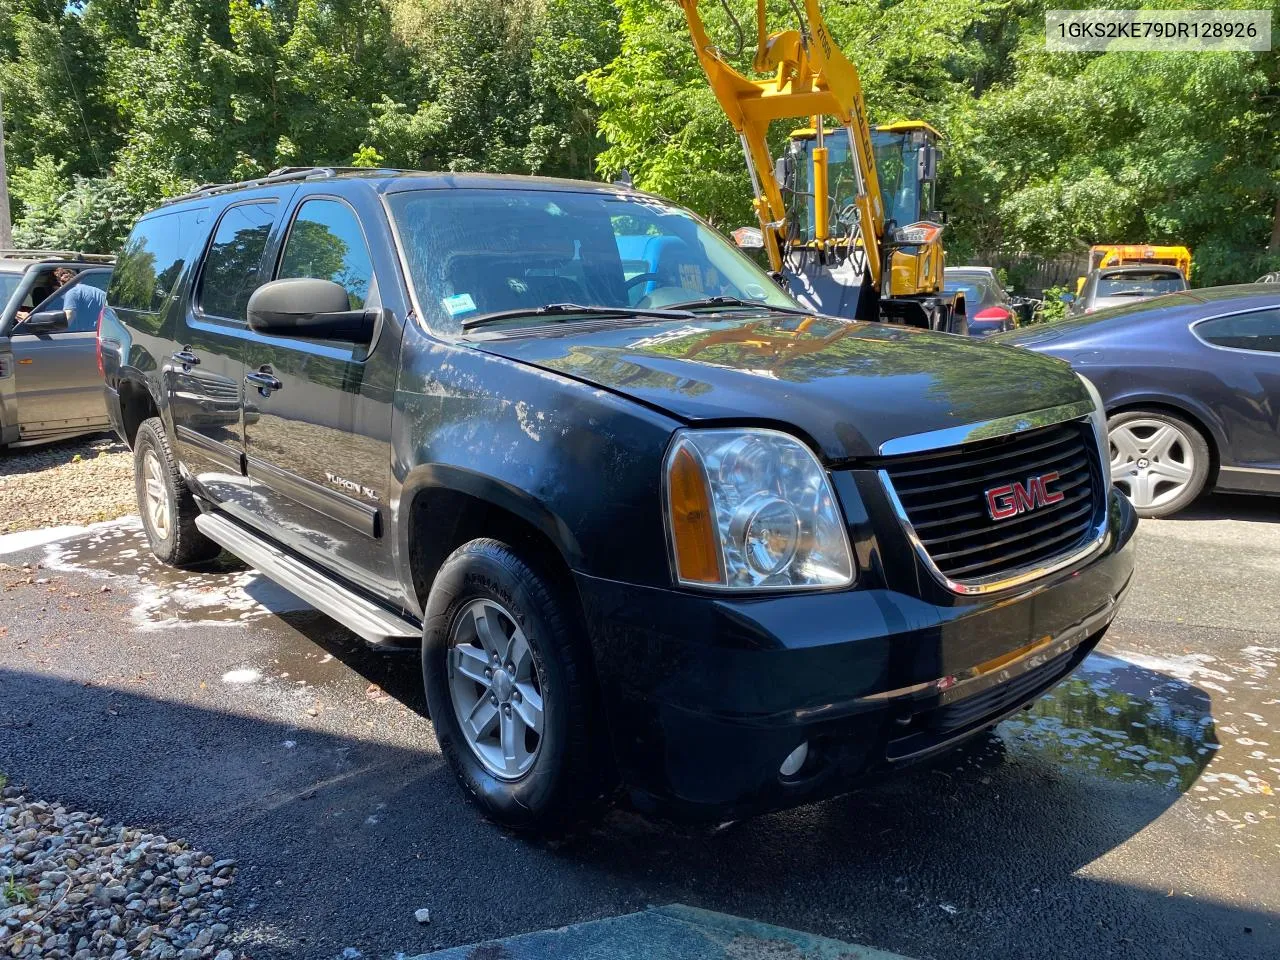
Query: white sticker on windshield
column 459, row 303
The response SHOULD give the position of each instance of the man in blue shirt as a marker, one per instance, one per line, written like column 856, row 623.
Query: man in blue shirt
column 81, row 302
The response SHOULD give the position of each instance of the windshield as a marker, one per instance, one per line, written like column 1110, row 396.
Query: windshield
column 906, row 200
column 1149, row 283
column 473, row 252
column 8, row 285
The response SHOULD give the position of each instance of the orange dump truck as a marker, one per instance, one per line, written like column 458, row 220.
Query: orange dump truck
column 1124, row 254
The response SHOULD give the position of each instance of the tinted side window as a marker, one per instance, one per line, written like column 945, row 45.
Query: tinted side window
column 326, row 242
column 1245, row 331
column 152, row 258
column 233, row 266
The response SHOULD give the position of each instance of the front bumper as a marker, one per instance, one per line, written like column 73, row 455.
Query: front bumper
column 706, row 695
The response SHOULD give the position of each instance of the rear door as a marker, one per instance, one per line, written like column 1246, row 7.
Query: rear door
column 58, row 384
column 319, row 443
column 1246, row 359
column 205, row 373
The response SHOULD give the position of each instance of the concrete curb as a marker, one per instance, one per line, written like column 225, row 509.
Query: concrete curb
column 674, row 932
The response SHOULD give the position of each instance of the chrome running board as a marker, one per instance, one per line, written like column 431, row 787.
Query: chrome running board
column 361, row 616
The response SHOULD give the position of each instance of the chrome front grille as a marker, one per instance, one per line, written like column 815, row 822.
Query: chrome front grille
column 947, row 497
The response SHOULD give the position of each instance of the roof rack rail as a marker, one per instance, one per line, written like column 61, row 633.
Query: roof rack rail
column 279, row 175
column 43, row 255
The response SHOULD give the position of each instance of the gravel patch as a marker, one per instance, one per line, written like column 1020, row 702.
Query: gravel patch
column 74, row 888
column 73, row 482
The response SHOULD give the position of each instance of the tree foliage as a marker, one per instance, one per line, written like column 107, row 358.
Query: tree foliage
column 113, row 104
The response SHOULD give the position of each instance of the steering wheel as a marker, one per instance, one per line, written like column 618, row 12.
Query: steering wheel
column 659, row 297
column 640, row 278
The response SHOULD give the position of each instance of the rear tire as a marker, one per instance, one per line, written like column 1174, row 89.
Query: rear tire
column 167, row 507
column 510, row 690
column 1159, row 460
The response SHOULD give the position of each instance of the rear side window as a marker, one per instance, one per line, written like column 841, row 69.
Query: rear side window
column 233, row 266
column 1259, row 330
column 152, row 258
column 326, row 242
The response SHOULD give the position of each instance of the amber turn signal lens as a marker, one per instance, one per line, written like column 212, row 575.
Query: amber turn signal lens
column 692, row 522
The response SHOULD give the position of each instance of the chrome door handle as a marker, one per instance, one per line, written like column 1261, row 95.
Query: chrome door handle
column 264, row 380
column 186, row 358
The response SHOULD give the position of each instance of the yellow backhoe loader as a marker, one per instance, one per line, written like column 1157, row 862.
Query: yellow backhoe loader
column 846, row 212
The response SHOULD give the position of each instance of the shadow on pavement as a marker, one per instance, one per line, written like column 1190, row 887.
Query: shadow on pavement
column 341, row 835
column 1232, row 506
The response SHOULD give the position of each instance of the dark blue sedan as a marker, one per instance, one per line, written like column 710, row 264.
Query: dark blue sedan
column 1191, row 383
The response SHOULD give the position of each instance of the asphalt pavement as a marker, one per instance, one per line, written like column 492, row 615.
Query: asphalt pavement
column 1130, row 814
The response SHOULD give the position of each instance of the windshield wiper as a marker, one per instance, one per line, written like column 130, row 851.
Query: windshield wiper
column 737, row 302
column 563, row 309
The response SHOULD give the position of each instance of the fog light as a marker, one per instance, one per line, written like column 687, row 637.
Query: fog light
column 795, row 760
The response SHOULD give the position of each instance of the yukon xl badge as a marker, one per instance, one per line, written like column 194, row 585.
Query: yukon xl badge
column 1011, row 499
column 351, row 486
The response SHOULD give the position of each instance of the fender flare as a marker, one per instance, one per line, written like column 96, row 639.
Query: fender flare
column 514, row 500
column 1199, row 414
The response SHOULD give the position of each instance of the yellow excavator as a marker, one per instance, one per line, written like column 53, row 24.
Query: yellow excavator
column 846, row 213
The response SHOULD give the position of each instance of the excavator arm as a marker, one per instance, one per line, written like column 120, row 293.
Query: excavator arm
column 811, row 79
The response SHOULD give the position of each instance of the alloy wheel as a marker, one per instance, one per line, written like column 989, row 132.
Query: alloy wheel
column 156, row 495
column 496, row 689
column 1152, row 460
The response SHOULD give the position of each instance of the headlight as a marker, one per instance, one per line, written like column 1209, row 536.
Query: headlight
column 1099, row 425
column 753, row 510
column 917, row 233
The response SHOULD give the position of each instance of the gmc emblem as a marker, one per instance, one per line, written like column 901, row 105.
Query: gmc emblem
column 1011, row 499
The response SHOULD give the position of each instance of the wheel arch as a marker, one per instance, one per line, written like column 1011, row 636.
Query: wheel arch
column 1198, row 418
column 137, row 403
column 442, row 507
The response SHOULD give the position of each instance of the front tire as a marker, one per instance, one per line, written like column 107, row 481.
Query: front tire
column 1159, row 460
column 509, row 689
column 167, row 507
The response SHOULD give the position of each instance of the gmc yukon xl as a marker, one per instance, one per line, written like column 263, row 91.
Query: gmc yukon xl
column 652, row 524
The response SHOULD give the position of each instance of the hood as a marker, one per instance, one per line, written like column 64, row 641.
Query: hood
column 849, row 387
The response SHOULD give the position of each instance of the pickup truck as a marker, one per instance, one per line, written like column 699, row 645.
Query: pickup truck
column 652, row 524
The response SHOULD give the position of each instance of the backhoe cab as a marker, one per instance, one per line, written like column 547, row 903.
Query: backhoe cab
column 846, row 213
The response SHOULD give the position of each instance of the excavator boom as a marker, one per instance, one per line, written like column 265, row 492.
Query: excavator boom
column 846, row 244
column 811, row 79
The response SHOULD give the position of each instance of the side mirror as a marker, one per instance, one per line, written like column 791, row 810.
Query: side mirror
column 927, row 163
column 46, row 321
column 310, row 308
column 782, row 169
column 748, row 238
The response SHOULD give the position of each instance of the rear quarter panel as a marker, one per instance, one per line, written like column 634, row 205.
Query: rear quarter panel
column 1160, row 362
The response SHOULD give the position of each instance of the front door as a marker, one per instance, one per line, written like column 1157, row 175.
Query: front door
column 1248, row 398
column 58, row 384
column 318, row 445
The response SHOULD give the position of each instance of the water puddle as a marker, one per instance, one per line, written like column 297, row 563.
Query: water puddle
column 1193, row 724
column 1122, row 722
column 224, row 592
column 302, row 648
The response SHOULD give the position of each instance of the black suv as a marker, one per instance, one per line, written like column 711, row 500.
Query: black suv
column 652, row 523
